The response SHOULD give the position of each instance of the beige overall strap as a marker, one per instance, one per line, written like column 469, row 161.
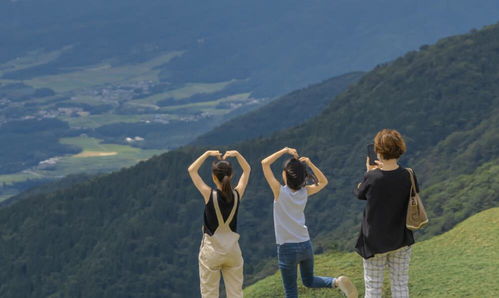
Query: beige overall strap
column 413, row 182
column 217, row 209
column 220, row 219
column 233, row 211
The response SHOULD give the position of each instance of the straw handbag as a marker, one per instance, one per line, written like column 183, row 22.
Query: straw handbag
column 416, row 214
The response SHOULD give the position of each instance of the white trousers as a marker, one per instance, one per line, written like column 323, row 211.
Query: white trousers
column 212, row 264
column 398, row 263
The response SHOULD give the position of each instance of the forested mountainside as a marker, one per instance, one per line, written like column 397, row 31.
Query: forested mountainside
column 287, row 111
column 136, row 232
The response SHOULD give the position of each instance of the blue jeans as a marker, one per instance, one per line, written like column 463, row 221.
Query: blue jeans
column 292, row 254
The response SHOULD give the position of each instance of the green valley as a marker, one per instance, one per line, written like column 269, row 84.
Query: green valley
column 95, row 157
column 163, row 73
column 179, row 115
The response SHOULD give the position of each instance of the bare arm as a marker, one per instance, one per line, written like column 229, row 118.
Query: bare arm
column 243, row 181
column 267, row 171
column 194, row 173
column 313, row 189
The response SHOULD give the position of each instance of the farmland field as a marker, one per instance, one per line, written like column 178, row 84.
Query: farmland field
column 95, row 157
column 102, row 74
column 107, row 102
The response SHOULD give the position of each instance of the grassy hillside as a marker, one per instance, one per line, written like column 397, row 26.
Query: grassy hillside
column 287, row 111
column 463, row 262
column 133, row 233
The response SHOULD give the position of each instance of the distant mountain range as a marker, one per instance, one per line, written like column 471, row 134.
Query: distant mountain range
column 136, row 232
column 154, row 75
column 276, row 47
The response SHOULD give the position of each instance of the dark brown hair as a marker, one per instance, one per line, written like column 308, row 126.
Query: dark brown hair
column 222, row 169
column 297, row 174
column 389, row 144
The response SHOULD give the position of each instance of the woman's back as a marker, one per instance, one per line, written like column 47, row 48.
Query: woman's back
column 225, row 206
column 387, row 195
column 289, row 216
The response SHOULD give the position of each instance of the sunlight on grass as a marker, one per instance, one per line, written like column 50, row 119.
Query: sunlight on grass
column 102, row 74
column 32, row 59
column 94, row 158
column 94, row 121
column 463, row 262
column 183, row 92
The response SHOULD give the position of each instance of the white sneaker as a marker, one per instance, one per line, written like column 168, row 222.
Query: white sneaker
column 347, row 287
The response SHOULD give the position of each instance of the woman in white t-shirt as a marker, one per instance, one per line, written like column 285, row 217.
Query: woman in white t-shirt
column 293, row 241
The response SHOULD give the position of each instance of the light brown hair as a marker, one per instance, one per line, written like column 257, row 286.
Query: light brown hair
column 389, row 144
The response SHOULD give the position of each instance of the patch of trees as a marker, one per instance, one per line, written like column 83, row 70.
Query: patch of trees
column 21, row 92
column 27, row 142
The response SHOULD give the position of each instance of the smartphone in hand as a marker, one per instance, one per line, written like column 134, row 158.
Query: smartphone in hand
column 371, row 154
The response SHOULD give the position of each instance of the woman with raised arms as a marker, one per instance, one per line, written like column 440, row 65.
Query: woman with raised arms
column 293, row 241
column 220, row 251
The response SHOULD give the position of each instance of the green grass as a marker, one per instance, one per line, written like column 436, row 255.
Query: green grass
column 87, row 99
column 463, row 262
column 102, row 74
column 194, row 88
column 32, row 59
column 125, row 156
column 208, row 106
column 183, row 92
column 94, row 121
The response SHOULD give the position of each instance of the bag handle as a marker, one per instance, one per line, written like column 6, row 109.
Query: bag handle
column 413, row 182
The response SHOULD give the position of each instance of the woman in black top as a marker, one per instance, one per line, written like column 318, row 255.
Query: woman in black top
column 384, row 239
column 219, row 252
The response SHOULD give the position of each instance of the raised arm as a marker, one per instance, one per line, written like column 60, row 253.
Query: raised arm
column 243, row 181
column 363, row 187
column 194, row 173
column 267, row 171
column 315, row 188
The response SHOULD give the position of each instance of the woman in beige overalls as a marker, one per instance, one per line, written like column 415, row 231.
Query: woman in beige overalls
column 220, row 252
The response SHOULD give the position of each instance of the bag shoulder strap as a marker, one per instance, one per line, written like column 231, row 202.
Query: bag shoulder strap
column 413, row 182
column 219, row 213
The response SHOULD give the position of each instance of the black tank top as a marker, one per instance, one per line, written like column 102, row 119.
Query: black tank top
column 210, row 215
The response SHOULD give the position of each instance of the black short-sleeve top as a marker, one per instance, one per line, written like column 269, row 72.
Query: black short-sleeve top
column 210, row 216
column 383, row 225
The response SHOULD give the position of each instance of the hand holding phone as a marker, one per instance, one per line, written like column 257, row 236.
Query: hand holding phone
column 372, row 155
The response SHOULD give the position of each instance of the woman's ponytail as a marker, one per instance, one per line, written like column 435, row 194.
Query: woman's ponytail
column 296, row 173
column 227, row 189
column 222, row 169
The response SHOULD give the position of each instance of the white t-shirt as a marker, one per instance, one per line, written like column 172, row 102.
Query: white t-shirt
column 289, row 216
